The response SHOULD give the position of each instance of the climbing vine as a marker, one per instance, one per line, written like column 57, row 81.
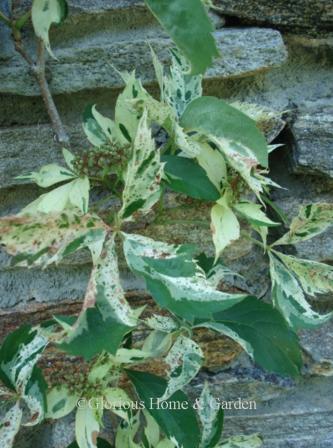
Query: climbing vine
column 183, row 143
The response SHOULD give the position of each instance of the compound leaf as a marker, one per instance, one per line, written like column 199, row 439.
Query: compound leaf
column 174, row 279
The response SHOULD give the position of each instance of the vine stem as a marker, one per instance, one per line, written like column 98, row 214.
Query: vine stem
column 38, row 70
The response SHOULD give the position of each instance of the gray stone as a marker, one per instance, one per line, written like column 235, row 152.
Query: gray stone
column 320, row 356
column 24, row 149
column 243, row 52
column 313, row 133
column 309, row 14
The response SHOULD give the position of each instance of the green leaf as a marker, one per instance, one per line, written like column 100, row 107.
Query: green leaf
column 40, row 239
column 211, row 417
column 253, row 213
column 287, row 293
column 224, row 225
column 94, row 332
column 267, row 120
column 43, row 14
column 263, row 333
column 312, row 220
column 184, row 361
column 60, row 402
column 186, row 176
column 10, row 426
column 212, row 116
column 174, row 279
column 143, row 175
column 178, row 423
column 190, row 28
column 253, row 441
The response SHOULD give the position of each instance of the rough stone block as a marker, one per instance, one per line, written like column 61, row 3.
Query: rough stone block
column 313, row 133
column 316, row 15
column 243, row 52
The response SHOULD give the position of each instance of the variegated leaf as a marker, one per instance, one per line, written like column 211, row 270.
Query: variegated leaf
column 106, row 316
column 117, row 400
column 19, row 354
column 242, row 160
column 60, row 402
column 315, row 278
column 43, row 14
column 10, row 425
column 312, row 220
column 267, row 120
column 86, row 427
column 40, row 239
column 214, row 164
column 253, row 213
column 74, row 194
column 164, row 324
column 49, row 175
column 157, row 343
column 126, row 117
column 178, row 88
column 289, row 298
column 126, row 433
column 107, row 285
column 253, row 441
column 174, row 279
column 143, row 175
column 211, row 418
column 184, row 361
column 224, row 225
column 152, row 430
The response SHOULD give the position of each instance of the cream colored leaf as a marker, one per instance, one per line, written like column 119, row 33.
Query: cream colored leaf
column 43, row 14
column 143, row 175
column 225, row 226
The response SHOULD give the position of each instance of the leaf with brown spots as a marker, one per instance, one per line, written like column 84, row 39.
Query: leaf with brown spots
column 41, row 239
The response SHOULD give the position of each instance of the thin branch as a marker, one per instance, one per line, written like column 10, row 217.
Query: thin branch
column 38, row 70
column 5, row 19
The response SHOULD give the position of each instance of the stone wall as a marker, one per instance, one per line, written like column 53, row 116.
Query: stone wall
column 273, row 53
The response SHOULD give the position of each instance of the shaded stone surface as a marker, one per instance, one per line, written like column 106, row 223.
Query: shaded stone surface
column 310, row 14
column 313, row 133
